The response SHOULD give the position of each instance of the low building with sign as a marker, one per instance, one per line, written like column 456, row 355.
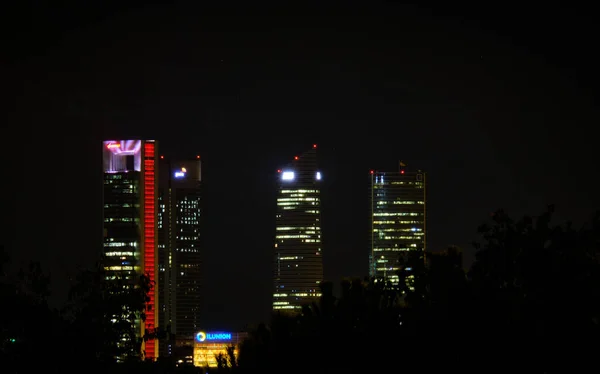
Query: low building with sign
column 209, row 344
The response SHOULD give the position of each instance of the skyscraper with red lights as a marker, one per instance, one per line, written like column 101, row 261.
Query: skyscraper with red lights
column 130, row 219
column 298, row 257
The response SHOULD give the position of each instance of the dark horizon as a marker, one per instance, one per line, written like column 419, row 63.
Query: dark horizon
column 494, row 106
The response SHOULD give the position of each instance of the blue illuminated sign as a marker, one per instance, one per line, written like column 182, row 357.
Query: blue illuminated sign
column 181, row 173
column 213, row 336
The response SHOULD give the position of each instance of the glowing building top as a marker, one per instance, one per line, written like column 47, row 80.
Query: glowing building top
column 130, row 219
column 298, row 258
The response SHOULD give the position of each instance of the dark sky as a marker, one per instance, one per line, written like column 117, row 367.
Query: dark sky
column 497, row 104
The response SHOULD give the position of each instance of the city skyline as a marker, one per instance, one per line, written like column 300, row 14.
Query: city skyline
column 298, row 265
column 495, row 106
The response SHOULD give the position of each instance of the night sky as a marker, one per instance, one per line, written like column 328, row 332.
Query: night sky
column 497, row 105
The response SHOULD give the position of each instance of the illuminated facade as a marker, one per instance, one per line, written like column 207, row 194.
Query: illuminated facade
column 298, row 257
column 130, row 219
column 209, row 345
column 398, row 219
column 179, row 260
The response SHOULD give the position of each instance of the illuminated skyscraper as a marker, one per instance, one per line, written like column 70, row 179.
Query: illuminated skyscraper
column 298, row 257
column 398, row 219
column 130, row 217
column 179, row 262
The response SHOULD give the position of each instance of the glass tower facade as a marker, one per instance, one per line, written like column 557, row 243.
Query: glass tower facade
column 180, row 259
column 398, row 219
column 298, row 257
column 129, row 219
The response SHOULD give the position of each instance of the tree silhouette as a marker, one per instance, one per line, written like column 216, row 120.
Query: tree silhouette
column 529, row 303
column 227, row 362
column 256, row 351
column 27, row 320
column 536, row 285
column 333, row 335
column 105, row 314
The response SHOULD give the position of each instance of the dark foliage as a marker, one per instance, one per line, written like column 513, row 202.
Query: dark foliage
column 97, row 325
column 109, row 311
column 530, row 303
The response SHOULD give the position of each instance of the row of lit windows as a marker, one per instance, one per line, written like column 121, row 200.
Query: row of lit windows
column 381, row 183
column 400, row 202
column 121, row 219
column 298, row 199
column 396, row 222
column 299, row 191
column 119, row 189
column 391, row 214
column 299, row 294
column 290, row 258
column 112, row 243
column 188, row 266
column 122, row 268
column 292, row 204
column 396, row 249
column 412, row 229
column 189, row 212
column 188, row 250
column 306, row 229
column 125, row 205
column 191, row 222
column 415, row 236
column 388, row 268
column 187, row 238
column 402, row 180
column 298, row 228
column 299, row 196
column 287, row 307
column 294, row 236
column 407, row 183
column 117, row 254
column 294, row 208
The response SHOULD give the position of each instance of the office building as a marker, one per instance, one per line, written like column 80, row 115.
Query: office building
column 398, row 218
column 298, row 249
column 179, row 259
column 130, row 219
column 209, row 346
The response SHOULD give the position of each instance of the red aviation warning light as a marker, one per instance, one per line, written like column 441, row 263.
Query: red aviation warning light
column 296, row 157
column 372, row 171
column 279, row 170
column 314, row 146
column 402, row 166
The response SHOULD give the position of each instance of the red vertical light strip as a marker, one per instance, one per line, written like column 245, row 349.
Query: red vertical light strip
column 149, row 240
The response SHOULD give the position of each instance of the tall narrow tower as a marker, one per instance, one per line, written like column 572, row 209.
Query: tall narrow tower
column 397, row 218
column 130, row 219
column 180, row 257
column 298, row 257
